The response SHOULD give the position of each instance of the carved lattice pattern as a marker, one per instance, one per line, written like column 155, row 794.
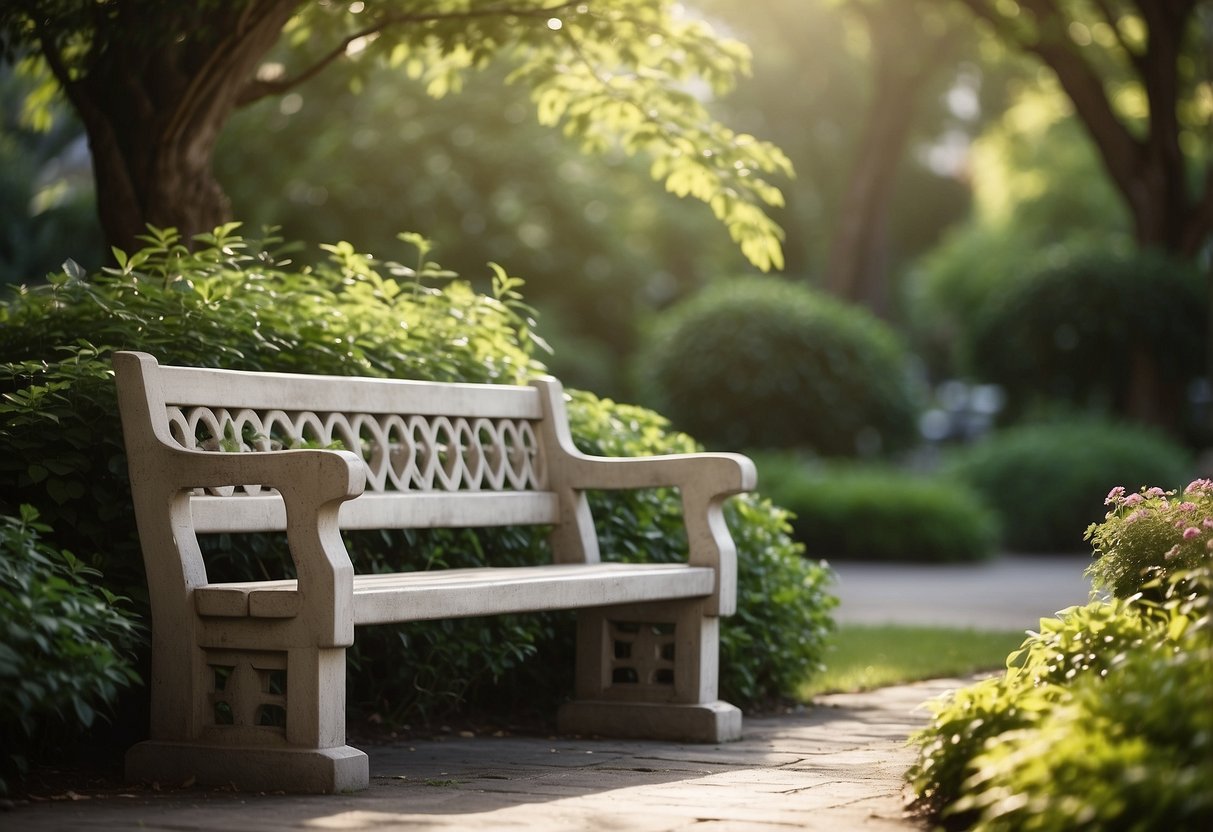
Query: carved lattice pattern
column 643, row 654
column 247, row 690
column 401, row 453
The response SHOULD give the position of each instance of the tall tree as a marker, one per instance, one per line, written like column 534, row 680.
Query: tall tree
column 154, row 84
column 910, row 45
column 1138, row 73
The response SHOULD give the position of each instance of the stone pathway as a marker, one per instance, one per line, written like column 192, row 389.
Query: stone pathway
column 835, row 766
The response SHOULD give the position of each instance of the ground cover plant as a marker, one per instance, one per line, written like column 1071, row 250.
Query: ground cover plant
column 1102, row 719
column 239, row 303
column 864, row 657
column 865, row 511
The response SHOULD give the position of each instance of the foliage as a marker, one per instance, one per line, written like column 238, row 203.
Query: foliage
column 1087, row 331
column 1151, row 534
column 233, row 302
column 1135, row 74
column 596, row 241
column 1039, row 200
column 871, row 512
column 612, row 76
column 1040, row 478
column 1100, row 721
column 45, row 194
column 1126, row 715
column 764, row 363
column 63, row 644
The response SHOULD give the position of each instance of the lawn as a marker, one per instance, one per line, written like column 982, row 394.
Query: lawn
column 862, row 657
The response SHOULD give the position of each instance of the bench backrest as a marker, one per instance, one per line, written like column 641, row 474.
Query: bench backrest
column 463, row 454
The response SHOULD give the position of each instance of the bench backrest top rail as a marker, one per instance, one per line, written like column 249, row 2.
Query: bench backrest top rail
column 237, row 389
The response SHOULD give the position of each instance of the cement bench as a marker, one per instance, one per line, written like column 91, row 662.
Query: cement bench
column 248, row 679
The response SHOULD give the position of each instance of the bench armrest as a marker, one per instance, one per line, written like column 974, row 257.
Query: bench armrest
column 313, row 485
column 704, row 481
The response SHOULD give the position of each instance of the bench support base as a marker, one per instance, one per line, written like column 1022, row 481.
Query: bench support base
column 323, row 770
column 709, row 722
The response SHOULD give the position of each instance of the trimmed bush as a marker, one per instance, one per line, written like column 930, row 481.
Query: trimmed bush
column 1041, row 478
column 1099, row 332
column 63, row 645
column 764, row 363
column 231, row 302
column 868, row 512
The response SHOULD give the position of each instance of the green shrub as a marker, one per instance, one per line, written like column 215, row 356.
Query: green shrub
column 1150, row 535
column 63, row 644
column 1102, row 720
column 232, row 302
column 1041, row 479
column 763, row 363
column 870, row 512
column 1085, row 332
column 1132, row 751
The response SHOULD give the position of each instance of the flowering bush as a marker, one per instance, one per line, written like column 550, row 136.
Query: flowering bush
column 1151, row 534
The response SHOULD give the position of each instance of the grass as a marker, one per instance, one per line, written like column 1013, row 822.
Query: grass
column 865, row 657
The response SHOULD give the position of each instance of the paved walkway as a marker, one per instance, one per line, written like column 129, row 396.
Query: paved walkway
column 1012, row 592
column 835, row 766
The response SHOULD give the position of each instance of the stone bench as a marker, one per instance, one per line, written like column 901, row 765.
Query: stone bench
column 248, row 679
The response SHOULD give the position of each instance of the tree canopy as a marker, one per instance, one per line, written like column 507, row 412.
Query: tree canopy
column 155, row 83
column 1140, row 78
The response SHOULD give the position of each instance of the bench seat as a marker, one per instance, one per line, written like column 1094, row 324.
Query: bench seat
column 458, row 593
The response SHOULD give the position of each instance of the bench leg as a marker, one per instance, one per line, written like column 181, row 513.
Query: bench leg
column 265, row 720
column 649, row 670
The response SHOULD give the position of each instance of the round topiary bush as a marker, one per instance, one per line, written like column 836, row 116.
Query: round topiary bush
column 1117, row 333
column 1047, row 481
column 874, row 512
column 764, row 363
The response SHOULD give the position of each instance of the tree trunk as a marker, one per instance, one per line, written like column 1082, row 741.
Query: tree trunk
column 906, row 56
column 153, row 113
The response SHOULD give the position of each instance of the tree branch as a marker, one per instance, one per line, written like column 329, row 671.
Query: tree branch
column 1111, row 19
column 1117, row 146
column 231, row 49
column 257, row 89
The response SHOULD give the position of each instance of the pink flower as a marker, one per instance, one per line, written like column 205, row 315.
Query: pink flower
column 1114, row 495
column 1200, row 486
column 1185, row 506
column 1133, row 499
column 1191, row 532
column 1207, row 522
column 1156, row 492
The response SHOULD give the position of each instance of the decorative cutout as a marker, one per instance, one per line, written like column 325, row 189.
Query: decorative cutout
column 642, row 654
column 248, row 689
column 401, row 452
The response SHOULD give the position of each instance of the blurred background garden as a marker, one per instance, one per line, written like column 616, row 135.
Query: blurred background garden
column 978, row 300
